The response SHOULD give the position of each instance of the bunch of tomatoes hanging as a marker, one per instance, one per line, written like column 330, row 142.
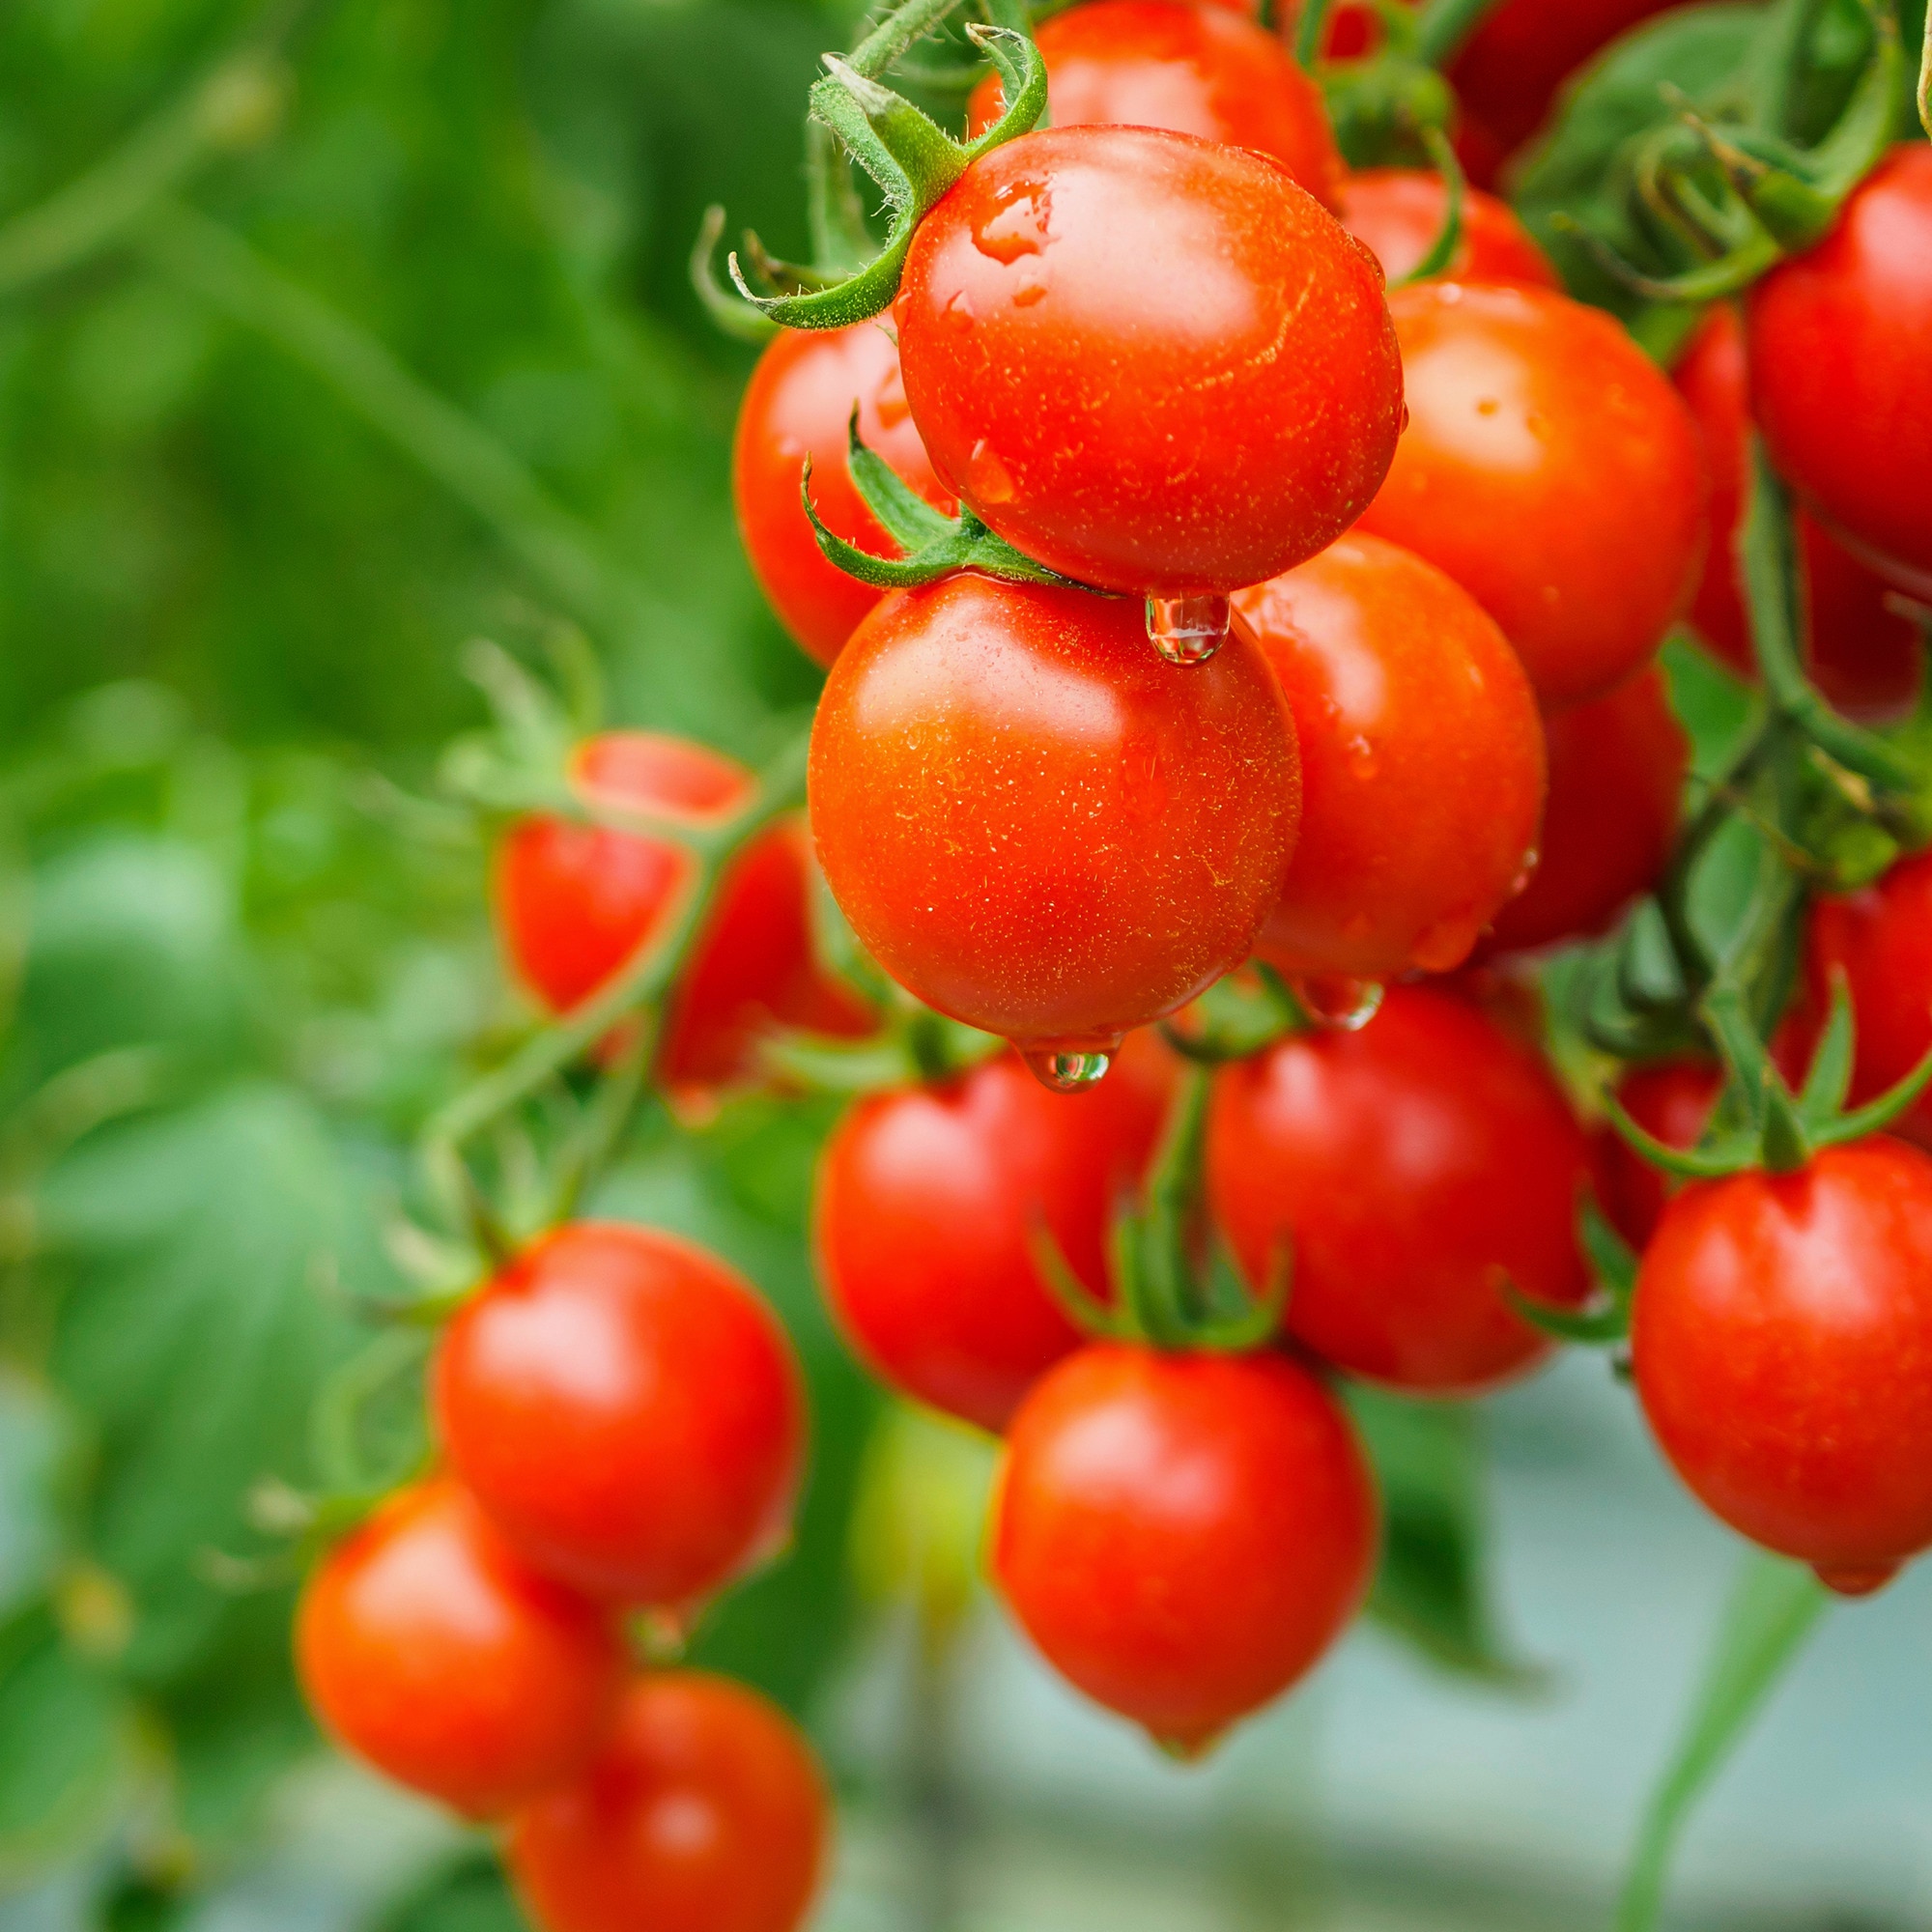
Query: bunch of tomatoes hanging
column 1240, row 579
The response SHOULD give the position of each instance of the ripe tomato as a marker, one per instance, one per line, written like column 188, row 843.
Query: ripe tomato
column 1038, row 824
column 1672, row 1103
column 1864, row 656
column 1421, row 762
column 1616, row 780
column 1397, row 212
column 1404, row 1173
column 1182, row 1536
column 797, row 405
column 426, row 1647
column 1151, row 362
column 1193, row 70
column 1782, row 1338
column 575, row 901
column 1881, row 939
column 1551, row 471
column 929, row 1200
column 1836, row 343
column 706, row 1812
column 627, row 1410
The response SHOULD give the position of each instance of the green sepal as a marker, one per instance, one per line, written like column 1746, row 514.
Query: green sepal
column 1449, row 237
column 1606, row 1322
column 1878, row 1115
column 1598, row 1327
column 1729, row 1156
column 726, row 310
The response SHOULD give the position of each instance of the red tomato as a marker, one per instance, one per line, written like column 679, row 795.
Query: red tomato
column 1151, row 362
column 1182, row 1535
column 1038, row 824
column 707, row 1813
column 1404, row 1173
column 1421, row 762
column 1881, row 939
column 1836, row 341
column 426, row 1647
column 929, row 1200
column 1397, row 212
column 1864, row 656
column 1783, row 1343
column 1616, row 780
column 1193, row 70
column 576, row 901
column 1672, row 1103
column 797, row 404
column 1551, row 471
column 628, row 1412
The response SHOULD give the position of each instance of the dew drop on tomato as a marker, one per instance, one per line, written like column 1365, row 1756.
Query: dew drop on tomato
column 1188, row 630
column 1065, row 1072
column 1336, row 999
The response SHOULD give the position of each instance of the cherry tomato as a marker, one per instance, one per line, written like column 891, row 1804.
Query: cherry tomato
column 930, row 1199
column 576, row 901
column 1617, row 779
column 1881, row 939
column 1672, row 1103
column 426, row 1647
column 1151, row 362
column 1864, row 656
column 1404, row 1173
column 1836, row 340
column 1193, row 70
column 1182, row 1535
column 628, row 1412
column 1781, row 1339
column 1397, row 212
column 1551, row 471
column 707, row 1813
column 798, row 405
column 1038, row 824
column 1421, row 762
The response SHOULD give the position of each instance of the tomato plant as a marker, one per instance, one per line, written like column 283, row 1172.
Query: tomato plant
column 1398, row 213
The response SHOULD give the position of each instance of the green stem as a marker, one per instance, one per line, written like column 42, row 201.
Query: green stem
column 1310, row 30
column 1445, row 25
column 895, row 33
column 1926, row 77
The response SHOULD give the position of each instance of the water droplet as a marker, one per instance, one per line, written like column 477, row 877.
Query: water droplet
column 1857, row 1581
column 1446, row 944
column 1336, row 999
column 1064, row 1070
column 1525, row 873
column 988, row 480
column 1018, row 226
column 1403, row 425
column 1188, row 630
column 1362, row 761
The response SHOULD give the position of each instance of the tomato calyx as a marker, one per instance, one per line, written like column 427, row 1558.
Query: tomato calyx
column 1166, row 1298
column 1388, row 103
column 1604, row 1321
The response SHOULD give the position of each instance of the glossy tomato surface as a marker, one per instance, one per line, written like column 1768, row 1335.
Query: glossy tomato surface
column 1398, row 213
column 1781, row 1336
column 1616, row 782
column 1038, row 824
column 1404, row 1173
column 575, row 901
column 931, row 1199
column 1193, row 70
column 1151, row 361
column 1552, row 471
column 1182, row 1535
column 1864, row 656
column 1671, row 1101
column 1836, row 342
column 428, row 1648
column 797, row 405
column 706, row 1812
column 627, row 1410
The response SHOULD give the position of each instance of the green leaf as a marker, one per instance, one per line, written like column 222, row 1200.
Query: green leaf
column 467, row 1894
column 1771, row 1610
column 39, row 1472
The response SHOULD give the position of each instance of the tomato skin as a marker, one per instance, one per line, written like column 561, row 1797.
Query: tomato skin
column 1090, row 312
column 1616, row 782
column 426, row 1647
column 1039, row 825
column 1552, row 471
column 706, row 1812
column 1781, row 1340
column 1421, row 762
column 1401, row 1171
column 1672, row 1103
column 927, row 1203
column 1182, row 1535
column 797, row 404
column 1203, row 71
column 627, row 1410
column 1836, row 340
column 1397, row 212
column 1864, row 656
column 575, row 901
